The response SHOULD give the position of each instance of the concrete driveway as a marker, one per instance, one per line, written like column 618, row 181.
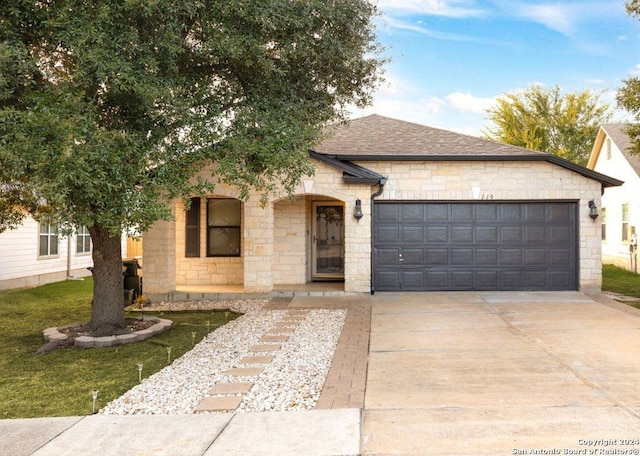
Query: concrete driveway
column 501, row 374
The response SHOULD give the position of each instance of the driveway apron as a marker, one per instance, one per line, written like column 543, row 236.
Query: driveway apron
column 501, row 373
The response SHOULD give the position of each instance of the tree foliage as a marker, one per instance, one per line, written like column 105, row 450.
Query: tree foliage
column 108, row 109
column 628, row 96
column 548, row 121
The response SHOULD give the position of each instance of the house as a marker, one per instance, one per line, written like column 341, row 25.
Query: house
column 393, row 206
column 34, row 254
column 620, row 213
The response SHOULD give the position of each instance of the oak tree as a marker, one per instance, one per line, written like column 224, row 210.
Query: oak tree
column 108, row 109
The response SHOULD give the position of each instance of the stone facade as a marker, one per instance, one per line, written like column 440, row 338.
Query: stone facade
column 276, row 239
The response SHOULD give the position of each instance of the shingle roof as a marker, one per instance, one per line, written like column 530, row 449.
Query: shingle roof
column 617, row 133
column 377, row 135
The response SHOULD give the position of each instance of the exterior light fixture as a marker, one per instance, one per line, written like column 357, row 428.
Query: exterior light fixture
column 357, row 212
column 593, row 210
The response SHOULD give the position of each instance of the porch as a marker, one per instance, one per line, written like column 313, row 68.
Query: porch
column 198, row 292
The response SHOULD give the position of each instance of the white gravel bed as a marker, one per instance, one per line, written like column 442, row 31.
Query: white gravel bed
column 292, row 381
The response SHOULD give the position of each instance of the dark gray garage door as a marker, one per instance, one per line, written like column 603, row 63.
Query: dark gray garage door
column 475, row 246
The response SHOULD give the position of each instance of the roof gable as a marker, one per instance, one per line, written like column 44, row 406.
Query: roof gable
column 374, row 138
column 617, row 133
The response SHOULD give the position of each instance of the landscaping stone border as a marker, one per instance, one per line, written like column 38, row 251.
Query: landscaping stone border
column 162, row 325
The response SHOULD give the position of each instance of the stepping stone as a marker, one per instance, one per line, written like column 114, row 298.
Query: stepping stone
column 298, row 312
column 274, row 338
column 231, row 388
column 286, row 325
column 276, row 331
column 256, row 359
column 265, row 348
column 218, row 404
column 245, row 371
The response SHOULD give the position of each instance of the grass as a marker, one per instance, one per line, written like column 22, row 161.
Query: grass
column 620, row 280
column 61, row 383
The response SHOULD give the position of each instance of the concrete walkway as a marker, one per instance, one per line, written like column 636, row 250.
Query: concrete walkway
column 448, row 374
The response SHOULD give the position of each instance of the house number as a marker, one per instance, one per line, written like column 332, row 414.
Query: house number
column 487, row 196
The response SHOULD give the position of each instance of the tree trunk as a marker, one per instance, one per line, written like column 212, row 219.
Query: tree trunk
column 107, row 314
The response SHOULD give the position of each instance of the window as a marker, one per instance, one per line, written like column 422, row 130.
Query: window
column 48, row 240
column 223, row 227
column 83, row 240
column 192, row 230
column 625, row 222
column 608, row 148
column 603, row 223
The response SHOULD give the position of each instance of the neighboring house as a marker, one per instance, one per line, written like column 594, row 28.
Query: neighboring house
column 620, row 214
column 34, row 254
column 394, row 206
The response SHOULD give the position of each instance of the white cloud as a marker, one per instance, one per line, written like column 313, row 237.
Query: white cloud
column 393, row 23
column 465, row 102
column 448, row 8
column 635, row 70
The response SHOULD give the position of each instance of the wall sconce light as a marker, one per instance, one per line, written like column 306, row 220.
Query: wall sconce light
column 593, row 210
column 357, row 212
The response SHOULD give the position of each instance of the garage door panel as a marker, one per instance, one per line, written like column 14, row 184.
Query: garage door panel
column 487, row 280
column 510, row 234
column 387, row 213
column 535, row 213
column 437, row 212
column 388, row 280
column 462, row 280
column 387, row 257
column 510, row 257
column 412, row 257
column 437, row 280
column 436, row 257
column 559, row 257
column 560, row 235
column 436, row 234
column 534, row 234
column 462, row 213
column 510, row 213
column 461, row 234
column 412, row 213
column 487, row 257
column 535, row 257
column 487, row 234
column 487, row 213
column 475, row 246
column 412, row 235
column 462, row 257
column 535, row 279
column 560, row 213
column 388, row 235
column 413, row 280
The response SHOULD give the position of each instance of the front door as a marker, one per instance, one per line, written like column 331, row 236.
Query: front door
column 328, row 241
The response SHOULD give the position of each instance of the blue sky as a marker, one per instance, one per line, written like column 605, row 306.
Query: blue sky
column 450, row 59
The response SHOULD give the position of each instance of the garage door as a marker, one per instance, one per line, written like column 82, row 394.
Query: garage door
column 424, row 246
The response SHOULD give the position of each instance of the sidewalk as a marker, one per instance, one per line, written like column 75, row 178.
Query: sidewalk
column 316, row 432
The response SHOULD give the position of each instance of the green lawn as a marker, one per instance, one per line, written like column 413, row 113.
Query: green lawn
column 620, row 280
column 61, row 383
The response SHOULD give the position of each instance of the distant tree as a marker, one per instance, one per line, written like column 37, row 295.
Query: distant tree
column 548, row 121
column 109, row 108
column 628, row 96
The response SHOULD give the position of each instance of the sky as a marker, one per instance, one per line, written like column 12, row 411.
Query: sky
column 451, row 59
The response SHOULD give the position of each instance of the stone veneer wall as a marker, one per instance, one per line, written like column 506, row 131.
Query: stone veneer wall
column 502, row 180
column 269, row 258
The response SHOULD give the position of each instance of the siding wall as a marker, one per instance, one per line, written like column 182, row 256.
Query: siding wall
column 614, row 250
